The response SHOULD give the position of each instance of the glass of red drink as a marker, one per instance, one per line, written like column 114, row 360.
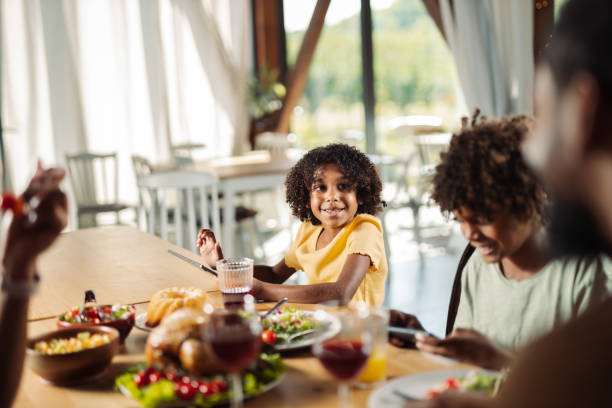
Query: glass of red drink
column 235, row 281
column 345, row 356
column 235, row 341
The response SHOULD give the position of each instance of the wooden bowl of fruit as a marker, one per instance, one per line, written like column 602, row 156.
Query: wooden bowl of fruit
column 72, row 355
column 120, row 317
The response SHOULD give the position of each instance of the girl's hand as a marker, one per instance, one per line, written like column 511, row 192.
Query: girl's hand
column 210, row 250
column 399, row 319
column 468, row 346
column 257, row 289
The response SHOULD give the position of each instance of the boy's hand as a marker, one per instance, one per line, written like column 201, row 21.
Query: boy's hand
column 210, row 250
column 468, row 346
column 399, row 319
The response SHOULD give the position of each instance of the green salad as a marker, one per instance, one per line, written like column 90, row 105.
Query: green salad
column 152, row 387
column 484, row 382
column 288, row 321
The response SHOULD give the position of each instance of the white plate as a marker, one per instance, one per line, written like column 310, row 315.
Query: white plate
column 180, row 404
column 141, row 322
column 331, row 327
column 415, row 386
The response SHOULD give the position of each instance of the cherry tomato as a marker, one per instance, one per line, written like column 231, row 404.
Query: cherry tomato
column 141, row 379
column 107, row 310
column 69, row 315
column 186, row 379
column 155, row 377
column 432, row 394
column 186, row 392
column 11, row 202
column 205, row 388
column 171, row 375
column 218, row 386
column 268, row 336
column 451, row 383
column 92, row 314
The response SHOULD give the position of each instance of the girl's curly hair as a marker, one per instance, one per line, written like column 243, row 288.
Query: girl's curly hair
column 484, row 171
column 355, row 166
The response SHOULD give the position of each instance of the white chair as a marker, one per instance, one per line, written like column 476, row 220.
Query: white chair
column 192, row 188
column 409, row 177
column 182, row 154
column 95, row 182
column 142, row 167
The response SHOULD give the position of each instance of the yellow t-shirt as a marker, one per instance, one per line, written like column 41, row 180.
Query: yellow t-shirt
column 363, row 235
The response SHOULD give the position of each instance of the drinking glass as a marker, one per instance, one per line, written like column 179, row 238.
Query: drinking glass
column 235, row 281
column 375, row 369
column 235, row 341
column 345, row 355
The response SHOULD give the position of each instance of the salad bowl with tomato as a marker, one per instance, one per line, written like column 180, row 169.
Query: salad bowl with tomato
column 289, row 328
column 120, row 317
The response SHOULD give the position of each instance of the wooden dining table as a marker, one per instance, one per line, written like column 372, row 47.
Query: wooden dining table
column 125, row 265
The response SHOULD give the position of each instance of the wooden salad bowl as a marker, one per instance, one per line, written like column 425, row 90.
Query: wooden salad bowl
column 75, row 367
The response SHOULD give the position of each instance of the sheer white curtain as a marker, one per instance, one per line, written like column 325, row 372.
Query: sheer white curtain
column 125, row 76
column 492, row 45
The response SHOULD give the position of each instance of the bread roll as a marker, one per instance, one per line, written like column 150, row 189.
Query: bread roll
column 168, row 300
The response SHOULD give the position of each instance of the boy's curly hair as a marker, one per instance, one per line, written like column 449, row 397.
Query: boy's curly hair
column 484, row 171
column 355, row 166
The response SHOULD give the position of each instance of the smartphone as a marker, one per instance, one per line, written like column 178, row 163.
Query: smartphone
column 407, row 334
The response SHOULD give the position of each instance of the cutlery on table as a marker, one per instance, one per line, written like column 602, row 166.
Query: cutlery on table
column 300, row 334
column 404, row 332
column 404, row 396
column 89, row 300
column 276, row 306
column 191, row 261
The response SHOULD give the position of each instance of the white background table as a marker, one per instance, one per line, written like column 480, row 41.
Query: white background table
column 251, row 172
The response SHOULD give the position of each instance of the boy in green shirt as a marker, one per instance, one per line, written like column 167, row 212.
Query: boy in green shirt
column 511, row 291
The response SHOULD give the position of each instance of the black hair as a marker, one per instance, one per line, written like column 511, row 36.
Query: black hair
column 484, row 170
column 353, row 164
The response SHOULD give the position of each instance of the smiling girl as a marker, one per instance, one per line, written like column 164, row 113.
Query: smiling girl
column 335, row 191
column 511, row 291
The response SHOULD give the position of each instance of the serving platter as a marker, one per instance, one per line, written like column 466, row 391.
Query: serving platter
column 330, row 326
column 222, row 402
column 141, row 322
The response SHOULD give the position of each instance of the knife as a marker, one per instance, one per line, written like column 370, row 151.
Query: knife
column 191, row 261
column 276, row 306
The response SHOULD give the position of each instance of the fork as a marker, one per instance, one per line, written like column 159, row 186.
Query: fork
column 300, row 334
column 404, row 396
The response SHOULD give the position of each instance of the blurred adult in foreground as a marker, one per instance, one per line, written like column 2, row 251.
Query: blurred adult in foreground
column 572, row 149
column 29, row 234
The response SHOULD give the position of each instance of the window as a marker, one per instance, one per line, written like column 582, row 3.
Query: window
column 414, row 70
column 331, row 107
column 414, row 73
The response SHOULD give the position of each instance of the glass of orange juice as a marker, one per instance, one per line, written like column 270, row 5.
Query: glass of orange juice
column 375, row 370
